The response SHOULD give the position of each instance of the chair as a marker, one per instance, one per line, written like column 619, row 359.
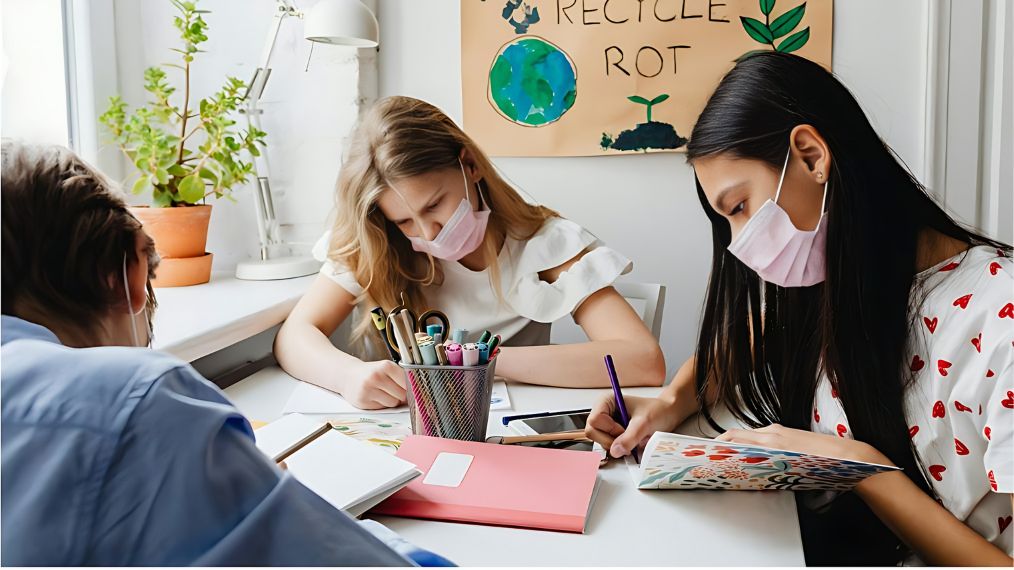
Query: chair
column 647, row 299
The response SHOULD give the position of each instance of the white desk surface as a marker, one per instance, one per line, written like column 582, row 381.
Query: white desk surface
column 627, row 527
column 196, row 321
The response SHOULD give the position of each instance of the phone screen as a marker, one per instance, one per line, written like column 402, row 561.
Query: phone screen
column 553, row 424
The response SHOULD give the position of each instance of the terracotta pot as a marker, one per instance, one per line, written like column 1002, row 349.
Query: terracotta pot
column 178, row 232
column 181, row 236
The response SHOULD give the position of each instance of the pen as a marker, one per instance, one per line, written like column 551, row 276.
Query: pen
column 410, row 341
column 621, row 405
column 285, row 453
column 507, row 419
column 441, row 353
column 380, row 321
column 469, row 354
column 459, row 335
column 494, row 343
column 483, row 352
column 485, row 336
column 453, row 353
column 399, row 338
column 428, row 351
column 434, row 330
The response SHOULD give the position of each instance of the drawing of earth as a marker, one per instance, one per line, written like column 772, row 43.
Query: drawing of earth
column 532, row 82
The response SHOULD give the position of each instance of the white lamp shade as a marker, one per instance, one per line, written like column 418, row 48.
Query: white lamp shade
column 343, row 23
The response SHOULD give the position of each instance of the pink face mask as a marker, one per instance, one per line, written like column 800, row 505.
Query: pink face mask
column 779, row 252
column 462, row 233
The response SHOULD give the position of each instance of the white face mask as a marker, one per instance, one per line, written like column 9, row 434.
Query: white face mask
column 777, row 250
column 133, row 315
column 462, row 233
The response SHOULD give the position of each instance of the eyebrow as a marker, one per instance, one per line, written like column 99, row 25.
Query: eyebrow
column 723, row 196
column 436, row 197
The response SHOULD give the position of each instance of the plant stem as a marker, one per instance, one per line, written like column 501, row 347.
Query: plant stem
column 649, row 112
column 767, row 24
column 186, row 112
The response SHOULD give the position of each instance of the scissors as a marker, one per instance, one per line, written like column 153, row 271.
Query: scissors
column 419, row 323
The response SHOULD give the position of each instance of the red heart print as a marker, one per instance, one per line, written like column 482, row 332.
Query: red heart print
column 937, row 471
column 841, row 430
column 950, row 266
column 753, row 459
column 977, row 343
column 1007, row 312
column 917, row 363
column 1009, row 402
column 942, row 366
column 987, row 432
column 992, row 479
column 1003, row 522
column 834, row 392
column 939, row 410
column 930, row 324
column 718, row 457
column 959, row 447
column 912, row 431
column 962, row 301
column 816, row 415
column 961, row 407
column 692, row 452
column 994, row 267
column 990, row 373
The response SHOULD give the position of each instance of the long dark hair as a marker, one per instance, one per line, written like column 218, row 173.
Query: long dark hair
column 763, row 347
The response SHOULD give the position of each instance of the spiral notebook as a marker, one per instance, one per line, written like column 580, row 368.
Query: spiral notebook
column 672, row 461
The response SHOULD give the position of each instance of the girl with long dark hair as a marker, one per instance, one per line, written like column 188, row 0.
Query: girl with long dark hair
column 846, row 315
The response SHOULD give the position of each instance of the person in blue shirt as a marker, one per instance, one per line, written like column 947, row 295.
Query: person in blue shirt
column 113, row 455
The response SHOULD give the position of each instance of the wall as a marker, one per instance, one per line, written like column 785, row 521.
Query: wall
column 307, row 113
column 645, row 206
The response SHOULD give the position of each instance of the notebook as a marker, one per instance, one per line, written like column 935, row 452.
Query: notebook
column 307, row 398
column 503, row 485
column 672, row 461
column 351, row 475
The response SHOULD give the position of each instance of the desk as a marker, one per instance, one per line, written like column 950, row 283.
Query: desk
column 627, row 527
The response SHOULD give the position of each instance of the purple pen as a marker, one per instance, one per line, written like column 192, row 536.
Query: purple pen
column 620, row 404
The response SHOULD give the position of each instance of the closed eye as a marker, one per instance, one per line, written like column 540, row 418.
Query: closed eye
column 738, row 208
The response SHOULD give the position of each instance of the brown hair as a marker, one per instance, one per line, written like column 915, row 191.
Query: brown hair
column 65, row 230
column 397, row 138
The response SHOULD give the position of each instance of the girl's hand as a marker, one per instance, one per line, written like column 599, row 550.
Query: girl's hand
column 647, row 415
column 788, row 439
column 374, row 385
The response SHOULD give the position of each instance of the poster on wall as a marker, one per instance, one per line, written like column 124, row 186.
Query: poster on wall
column 609, row 77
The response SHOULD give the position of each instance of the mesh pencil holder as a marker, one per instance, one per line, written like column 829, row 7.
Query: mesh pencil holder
column 451, row 402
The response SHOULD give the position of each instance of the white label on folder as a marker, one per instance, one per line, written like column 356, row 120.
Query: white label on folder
column 448, row 469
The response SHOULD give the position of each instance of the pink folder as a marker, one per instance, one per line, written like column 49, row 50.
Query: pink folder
column 505, row 485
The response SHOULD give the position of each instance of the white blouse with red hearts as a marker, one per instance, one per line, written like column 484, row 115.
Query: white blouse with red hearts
column 960, row 405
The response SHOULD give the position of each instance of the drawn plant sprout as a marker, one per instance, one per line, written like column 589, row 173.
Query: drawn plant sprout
column 768, row 31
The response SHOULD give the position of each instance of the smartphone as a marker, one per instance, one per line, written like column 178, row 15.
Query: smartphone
column 566, row 421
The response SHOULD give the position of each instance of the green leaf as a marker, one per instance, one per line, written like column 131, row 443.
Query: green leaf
column 162, row 199
column 140, row 185
column 659, row 99
column 162, row 176
column 757, row 30
column 191, row 189
column 766, row 6
column 639, row 99
column 795, row 41
column 788, row 21
column 177, row 171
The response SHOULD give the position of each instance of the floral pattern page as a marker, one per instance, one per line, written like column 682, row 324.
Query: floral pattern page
column 674, row 461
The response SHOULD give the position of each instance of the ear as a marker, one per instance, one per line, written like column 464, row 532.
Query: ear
column 467, row 159
column 811, row 147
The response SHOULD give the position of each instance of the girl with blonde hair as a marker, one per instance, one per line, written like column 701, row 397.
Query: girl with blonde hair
column 422, row 215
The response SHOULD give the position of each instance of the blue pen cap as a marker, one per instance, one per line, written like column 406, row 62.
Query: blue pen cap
column 434, row 330
column 429, row 353
column 459, row 335
column 483, row 352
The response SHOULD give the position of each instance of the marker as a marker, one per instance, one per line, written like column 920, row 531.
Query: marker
column 493, row 344
column 459, row 335
column 429, row 352
column 454, row 353
column 434, row 330
column 469, row 354
column 485, row 336
column 399, row 337
column 483, row 352
column 380, row 321
column 441, row 354
column 438, row 338
column 621, row 405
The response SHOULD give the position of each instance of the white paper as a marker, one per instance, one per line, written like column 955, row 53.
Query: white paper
column 310, row 399
column 349, row 474
column 277, row 436
column 448, row 469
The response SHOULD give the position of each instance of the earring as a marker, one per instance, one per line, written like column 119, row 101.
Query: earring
column 820, row 176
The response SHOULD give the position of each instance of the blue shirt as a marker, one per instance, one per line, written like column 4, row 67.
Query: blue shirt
column 117, row 456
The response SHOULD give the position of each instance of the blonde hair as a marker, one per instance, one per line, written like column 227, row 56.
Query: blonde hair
column 397, row 138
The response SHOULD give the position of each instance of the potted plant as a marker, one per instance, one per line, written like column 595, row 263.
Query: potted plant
column 183, row 155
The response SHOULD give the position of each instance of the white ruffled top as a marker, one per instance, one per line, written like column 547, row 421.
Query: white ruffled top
column 468, row 299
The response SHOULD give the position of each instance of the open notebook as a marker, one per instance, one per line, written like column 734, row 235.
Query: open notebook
column 351, row 475
column 672, row 461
